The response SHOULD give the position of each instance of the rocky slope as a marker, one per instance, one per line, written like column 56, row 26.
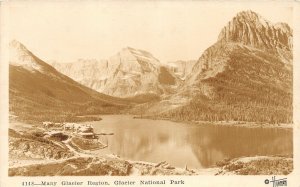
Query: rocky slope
column 259, row 165
column 247, row 29
column 129, row 73
column 38, row 92
column 33, row 146
column 246, row 75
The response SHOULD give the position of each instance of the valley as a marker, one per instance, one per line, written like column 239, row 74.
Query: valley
column 228, row 112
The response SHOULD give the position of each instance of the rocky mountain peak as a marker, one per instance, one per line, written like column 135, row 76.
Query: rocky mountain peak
column 248, row 15
column 128, row 73
column 249, row 28
column 20, row 56
column 16, row 49
column 16, row 44
column 139, row 55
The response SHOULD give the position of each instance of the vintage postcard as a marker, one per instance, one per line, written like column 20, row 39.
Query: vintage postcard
column 149, row 93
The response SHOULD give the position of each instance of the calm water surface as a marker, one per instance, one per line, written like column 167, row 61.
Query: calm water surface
column 197, row 146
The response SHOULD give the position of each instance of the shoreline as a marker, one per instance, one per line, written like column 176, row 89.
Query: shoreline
column 224, row 123
column 246, row 124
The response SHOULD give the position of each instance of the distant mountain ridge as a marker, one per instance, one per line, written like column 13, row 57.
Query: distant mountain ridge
column 130, row 72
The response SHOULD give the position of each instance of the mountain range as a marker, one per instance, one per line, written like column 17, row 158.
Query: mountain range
column 245, row 76
column 131, row 72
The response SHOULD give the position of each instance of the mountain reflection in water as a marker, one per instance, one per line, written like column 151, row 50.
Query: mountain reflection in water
column 197, row 146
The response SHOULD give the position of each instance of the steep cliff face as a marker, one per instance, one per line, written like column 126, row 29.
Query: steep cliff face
column 246, row 75
column 248, row 30
column 130, row 72
column 251, row 29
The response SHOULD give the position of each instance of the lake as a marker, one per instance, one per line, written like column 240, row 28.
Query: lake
column 180, row 144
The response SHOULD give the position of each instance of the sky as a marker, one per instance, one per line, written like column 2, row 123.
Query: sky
column 65, row 31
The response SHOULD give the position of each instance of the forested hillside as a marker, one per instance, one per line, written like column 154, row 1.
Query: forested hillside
column 247, row 75
column 254, row 87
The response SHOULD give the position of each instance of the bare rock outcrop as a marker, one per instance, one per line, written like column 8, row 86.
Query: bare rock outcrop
column 128, row 73
column 251, row 29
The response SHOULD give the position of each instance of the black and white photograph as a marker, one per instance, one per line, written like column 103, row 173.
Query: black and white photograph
column 149, row 88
